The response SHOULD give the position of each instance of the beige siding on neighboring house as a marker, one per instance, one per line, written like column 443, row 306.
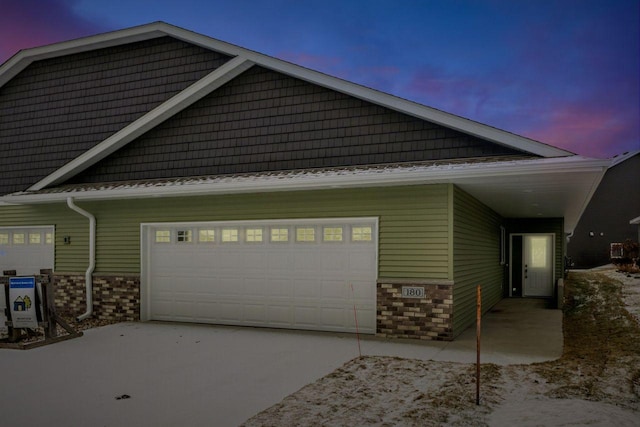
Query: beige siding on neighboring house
column 413, row 231
column 476, row 258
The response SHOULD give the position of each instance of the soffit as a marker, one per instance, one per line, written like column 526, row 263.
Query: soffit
column 517, row 188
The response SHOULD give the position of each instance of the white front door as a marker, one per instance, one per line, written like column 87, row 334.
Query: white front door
column 538, row 265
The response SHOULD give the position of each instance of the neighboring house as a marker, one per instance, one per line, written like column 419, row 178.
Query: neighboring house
column 181, row 178
column 636, row 222
column 605, row 221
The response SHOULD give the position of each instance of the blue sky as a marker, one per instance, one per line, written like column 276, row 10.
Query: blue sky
column 564, row 72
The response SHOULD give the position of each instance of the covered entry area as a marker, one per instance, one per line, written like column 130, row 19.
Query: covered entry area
column 531, row 265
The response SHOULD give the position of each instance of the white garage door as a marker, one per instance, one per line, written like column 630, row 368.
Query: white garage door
column 26, row 250
column 283, row 274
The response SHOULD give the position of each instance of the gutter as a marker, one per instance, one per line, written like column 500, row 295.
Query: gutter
column 324, row 180
column 88, row 276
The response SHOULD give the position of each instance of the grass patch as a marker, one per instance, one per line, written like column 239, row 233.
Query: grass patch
column 601, row 357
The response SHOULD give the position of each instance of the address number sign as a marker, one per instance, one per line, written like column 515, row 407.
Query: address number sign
column 412, row 292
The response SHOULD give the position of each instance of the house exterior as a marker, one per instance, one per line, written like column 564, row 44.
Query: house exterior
column 636, row 221
column 157, row 174
column 607, row 218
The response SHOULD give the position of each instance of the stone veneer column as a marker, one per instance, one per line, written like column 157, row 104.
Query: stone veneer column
column 427, row 318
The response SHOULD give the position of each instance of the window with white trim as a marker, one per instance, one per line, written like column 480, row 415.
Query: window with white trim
column 207, row 235
column 616, row 250
column 361, row 234
column 305, row 234
column 229, row 235
column 279, row 234
column 253, row 235
column 332, row 234
column 163, row 236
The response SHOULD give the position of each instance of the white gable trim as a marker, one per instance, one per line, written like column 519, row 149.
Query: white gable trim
column 22, row 59
column 193, row 93
column 393, row 102
column 159, row 29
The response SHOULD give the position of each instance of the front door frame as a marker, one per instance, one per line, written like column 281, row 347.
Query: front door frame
column 553, row 258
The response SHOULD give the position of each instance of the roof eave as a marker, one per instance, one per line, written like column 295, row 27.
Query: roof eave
column 319, row 181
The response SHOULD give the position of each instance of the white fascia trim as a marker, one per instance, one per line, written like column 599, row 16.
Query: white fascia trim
column 635, row 221
column 180, row 101
column 23, row 58
column 328, row 180
column 623, row 157
column 159, row 29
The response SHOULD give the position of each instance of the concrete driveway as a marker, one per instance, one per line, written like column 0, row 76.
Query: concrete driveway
column 200, row 375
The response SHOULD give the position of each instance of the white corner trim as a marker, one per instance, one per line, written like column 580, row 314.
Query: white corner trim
column 178, row 102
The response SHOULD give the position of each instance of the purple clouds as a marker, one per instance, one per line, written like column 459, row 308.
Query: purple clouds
column 31, row 23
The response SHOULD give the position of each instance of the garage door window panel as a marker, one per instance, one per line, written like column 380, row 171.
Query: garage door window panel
column 305, row 234
column 279, row 235
column 230, row 235
column 18, row 239
column 4, row 238
column 253, row 235
column 184, row 236
column 361, row 234
column 332, row 234
column 163, row 236
column 206, row 235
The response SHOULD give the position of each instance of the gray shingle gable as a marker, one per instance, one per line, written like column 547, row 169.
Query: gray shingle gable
column 266, row 121
column 58, row 108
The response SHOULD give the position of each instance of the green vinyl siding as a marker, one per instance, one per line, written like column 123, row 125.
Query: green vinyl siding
column 476, row 258
column 413, row 231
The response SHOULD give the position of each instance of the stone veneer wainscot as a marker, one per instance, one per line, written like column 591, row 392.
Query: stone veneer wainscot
column 115, row 297
column 428, row 318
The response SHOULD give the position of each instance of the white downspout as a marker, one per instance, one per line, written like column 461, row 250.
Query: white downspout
column 88, row 276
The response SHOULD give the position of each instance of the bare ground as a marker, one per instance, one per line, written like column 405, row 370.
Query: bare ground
column 595, row 382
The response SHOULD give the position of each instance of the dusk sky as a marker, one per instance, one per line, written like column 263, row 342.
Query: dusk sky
column 563, row 72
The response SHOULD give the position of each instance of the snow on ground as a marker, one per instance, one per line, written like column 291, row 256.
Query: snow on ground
column 630, row 290
column 386, row 391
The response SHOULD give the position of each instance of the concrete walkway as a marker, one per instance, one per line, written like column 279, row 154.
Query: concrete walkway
column 182, row 374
